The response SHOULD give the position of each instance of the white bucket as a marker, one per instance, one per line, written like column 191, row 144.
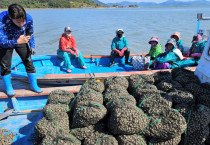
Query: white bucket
column 203, row 68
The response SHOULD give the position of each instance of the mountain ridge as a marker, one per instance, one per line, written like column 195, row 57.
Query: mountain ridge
column 166, row 3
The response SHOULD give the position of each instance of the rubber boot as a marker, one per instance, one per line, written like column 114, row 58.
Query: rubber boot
column 7, row 82
column 33, row 82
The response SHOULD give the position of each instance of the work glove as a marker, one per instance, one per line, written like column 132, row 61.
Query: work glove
column 77, row 53
column 116, row 50
column 122, row 51
column 69, row 50
column 33, row 51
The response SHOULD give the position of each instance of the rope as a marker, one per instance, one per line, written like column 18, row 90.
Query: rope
column 148, row 126
column 188, row 120
column 51, row 118
column 99, row 139
column 141, row 141
column 145, row 100
column 121, row 97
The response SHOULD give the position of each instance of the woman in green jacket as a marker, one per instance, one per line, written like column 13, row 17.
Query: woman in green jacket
column 156, row 48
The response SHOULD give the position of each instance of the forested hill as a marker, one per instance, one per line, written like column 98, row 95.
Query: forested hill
column 51, row 3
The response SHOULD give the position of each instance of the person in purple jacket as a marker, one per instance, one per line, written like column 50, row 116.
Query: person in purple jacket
column 16, row 32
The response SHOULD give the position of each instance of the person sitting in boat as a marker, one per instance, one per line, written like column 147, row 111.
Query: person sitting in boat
column 179, row 42
column 197, row 47
column 16, row 28
column 170, row 58
column 119, row 47
column 156, row 48
column 68, row 49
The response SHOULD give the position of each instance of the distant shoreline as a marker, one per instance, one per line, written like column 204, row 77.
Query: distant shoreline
column 112, row 7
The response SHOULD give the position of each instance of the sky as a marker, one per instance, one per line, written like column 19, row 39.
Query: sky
column 157, row 1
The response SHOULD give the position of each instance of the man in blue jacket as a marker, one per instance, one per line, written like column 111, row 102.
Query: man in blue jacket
column 119, row 47
column 15, row 25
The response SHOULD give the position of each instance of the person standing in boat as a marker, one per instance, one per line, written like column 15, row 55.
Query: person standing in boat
column 197, row 47
column 170, row 58
column 15, row 24
column 68, row 49
column 119, row 47
column 156, row 48
column 179, row 42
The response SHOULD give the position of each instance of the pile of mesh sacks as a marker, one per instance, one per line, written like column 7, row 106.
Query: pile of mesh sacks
column 6, row 137
column 165, row 108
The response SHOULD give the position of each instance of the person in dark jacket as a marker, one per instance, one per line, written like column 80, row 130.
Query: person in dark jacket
column 15, row 25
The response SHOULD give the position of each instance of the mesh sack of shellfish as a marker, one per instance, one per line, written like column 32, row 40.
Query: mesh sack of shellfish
column 127, row 120
column 202, row 91
column 164, row 86
column 133, row 139
column 167, row 87
column 185, row 79
column 6, row 138
column 192, row 88
column 114, row 87
column 66, row 139
column 181, row 97
column 146, row 92
column 52, row 128
column 112, row 94
column 197, row 116
column 137, row 80
column 196, row 138
column 55, row 108
column 94, row 85
column 162, row 75
column 173, row 141
column 122, row 100
column 100, row 138
column 88, row 113
column 89, row 95
column 60, row 96
column 154, row 103
column 179, row 71
column 82, row 133
column 116, row 80
column 165, row 125
column 204, row 99
column 85, row 132
column 207, row 142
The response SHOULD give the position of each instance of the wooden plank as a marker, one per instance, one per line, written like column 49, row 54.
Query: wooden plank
column 46, row 91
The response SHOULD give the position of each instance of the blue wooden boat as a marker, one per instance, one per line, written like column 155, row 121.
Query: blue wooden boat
column 51, row 70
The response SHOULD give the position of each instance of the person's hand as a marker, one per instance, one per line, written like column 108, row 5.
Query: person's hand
column 77, row 52
column 33, row 51
column 23, row 39
column 116, row 50
column 69, row 50
column 121, row 54
column 122, row 51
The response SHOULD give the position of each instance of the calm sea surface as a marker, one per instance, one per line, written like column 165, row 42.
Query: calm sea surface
column 94, row 29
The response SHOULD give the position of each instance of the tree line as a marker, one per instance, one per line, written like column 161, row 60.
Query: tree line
column 49, row 3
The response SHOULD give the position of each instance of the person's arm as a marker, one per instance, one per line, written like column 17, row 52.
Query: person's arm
column 74, row 45
column 181, row 47
column 4, row 42
column 113, row 45
column 30, row 28
column 63, row 46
